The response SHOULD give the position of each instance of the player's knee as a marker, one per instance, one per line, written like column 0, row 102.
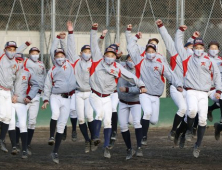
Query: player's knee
column 137, row 125
column 23, row 129
column 81, row 121
column 181, row 112
column 146, row 116
column 192, row 113
column 124, row 128
column 55, row 116
column 202, row 121
column 89, row 119
column 31, row 126
column 107, row 123
column 154, row 121
column 99, row 116
column 60, row 127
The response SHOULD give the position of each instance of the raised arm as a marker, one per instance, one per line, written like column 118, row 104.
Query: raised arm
column 54, row 46
column 95, row 50
column 23, row 47
column 194, row 36
column 63, row 41
column 128, row 33
column 101, row 39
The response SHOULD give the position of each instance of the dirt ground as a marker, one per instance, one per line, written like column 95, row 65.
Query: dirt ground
column 159, row 154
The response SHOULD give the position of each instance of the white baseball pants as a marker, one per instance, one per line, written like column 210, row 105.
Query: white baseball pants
column 5, row 106
column 115, row 101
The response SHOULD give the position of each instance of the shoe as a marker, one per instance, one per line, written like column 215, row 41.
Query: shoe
column 196, row 151
column 217, row 131
column 3, row 147
column 188, row 136
column 55, row 158
column 14, row 151
column 130, row 153
column 24, row 155
column 194, row 132
column 74, row 136
column 210, row 116
column 182, row 142
column 111, row 144
column 171, row 135
column 29, row 152
column 93, row 146
column 144, row 141
column 51, row 141
column 18, row 147
column 176, row 138
column 139, row 152
column 87, row 147
column 106, row 153
column 113, row 135
column 64, row 136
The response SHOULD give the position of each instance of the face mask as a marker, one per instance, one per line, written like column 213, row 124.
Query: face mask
column 150, row 56
column 60, row 61
column 198, row 52
column 86, row 56
column 34, row 57
column 109, row 60
column 190, row 51
column 10, row 55
column 130, row 64
column 213, row 53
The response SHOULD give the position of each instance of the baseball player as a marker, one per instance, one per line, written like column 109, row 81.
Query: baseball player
column 8, row 70
column 151, row 70
column 198, row 69
column 104, row 75
column 129, row 103
column 25, row 89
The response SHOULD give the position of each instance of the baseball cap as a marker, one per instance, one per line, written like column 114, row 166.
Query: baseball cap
column 109, row 49
column 214, row 43
column 59, row 50
column 34, row 49
column 188, row 43
column 153, row 39
column 85, row 47
column 11, row 44
column 19, row 56
column 114, row 46
column 151, row 45
column 198, row 41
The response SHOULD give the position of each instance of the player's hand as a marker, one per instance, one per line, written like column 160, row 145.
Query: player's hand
column 27, row 100
column 139, row 34
column 143, row 90
column 95, row 25
column 159, row 22
column 119, row 54
column 104, row 33
column 217, row 95
column 29, row 42
column 184, row 27
column 129, row 26
column 122, row 89
column 14, row 99
column 69, row 26
column 180, row 89
column 196, row 34
column 44, row 106
column 62, row 35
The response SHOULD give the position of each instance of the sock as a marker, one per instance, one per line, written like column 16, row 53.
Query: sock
column 12, row 136
column 91, row 129
column 74, row 122
column 190, row 122
column 84, row 131
column 24, row 137
column 127, row 139
column 65, row 130
column 139, row 136
column 17, row 135
column 52, row 127
column 107, row 134
column 182, row 128
column 145, row 126
column 213, row 107
column 30, row 135
column 58, row 140
column 176, row 122
column 200, row 134
column 114, row 121
column 220, row 102
column 97, row 124
column 196, row 121
column 4, row 130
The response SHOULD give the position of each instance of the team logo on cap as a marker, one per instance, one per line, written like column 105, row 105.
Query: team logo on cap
column 199, row 41
column 11, row 43
column 110, row 49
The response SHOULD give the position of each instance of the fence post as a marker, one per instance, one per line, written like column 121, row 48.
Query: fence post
column 42, row 31
column 118, row 22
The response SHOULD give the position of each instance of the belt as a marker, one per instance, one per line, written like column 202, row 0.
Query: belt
column 3, row 88
column 129, row 103
column 153, row 95
column 115, row 91
column 67, row 95
column 99, row 94
column 40, row 91
column 187, row 88
column 213, row 88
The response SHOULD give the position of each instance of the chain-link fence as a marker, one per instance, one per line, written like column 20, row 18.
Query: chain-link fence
column 22, row 20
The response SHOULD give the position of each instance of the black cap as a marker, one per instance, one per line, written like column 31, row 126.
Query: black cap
column 19, row 56
column 85, row 47
column 188, row 43
column 214, row 43
column 198, row 41
column 153, row 39
column 11, row 44
column 109, row 49
column 34, row 49
column 59, row 50
column 114, row 46
column 151, row 45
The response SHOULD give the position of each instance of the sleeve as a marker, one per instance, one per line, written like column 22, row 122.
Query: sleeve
column 128, row 35
column 167, row 73
column 71, row 48
column 134, row 51
column 133, row 90
column 34, row 86
column 54, row 46
column 48, row 86
column 216, row 77
column 96, row 52
column 191, row 39
column 22, row 47
column 63, row 45
column 100, row 42
column 43, row 78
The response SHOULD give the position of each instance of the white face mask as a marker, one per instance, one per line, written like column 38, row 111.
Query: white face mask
column 10, row 55
column 86, row 56
column 189, row 51
column 34, row 58
column 60, row 61
column 213, row 53
column 198, row 52
column 130, row 64
column 109, row 60
column 150, row 56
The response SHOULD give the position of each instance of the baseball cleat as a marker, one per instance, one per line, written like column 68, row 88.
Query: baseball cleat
column 194, row 132
column 188, row 136
column 87, row 147
column 111, row 144
column 18, row 147
column 182, row 142
column 113, row 135
column 51, row 141
column 3, row 147
column 74, row 136
column 130, row 153
column 64, row 136
column 14, row 151
column 29, row 152
column 196, row 151
column 94, row 146
column 176, row 138
column 171, row 135
column 209, row 115
column 217, row 131
column 139, row 152
column 106, row 153
column 55, row 158
column 24, row 155
column 144, row 141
